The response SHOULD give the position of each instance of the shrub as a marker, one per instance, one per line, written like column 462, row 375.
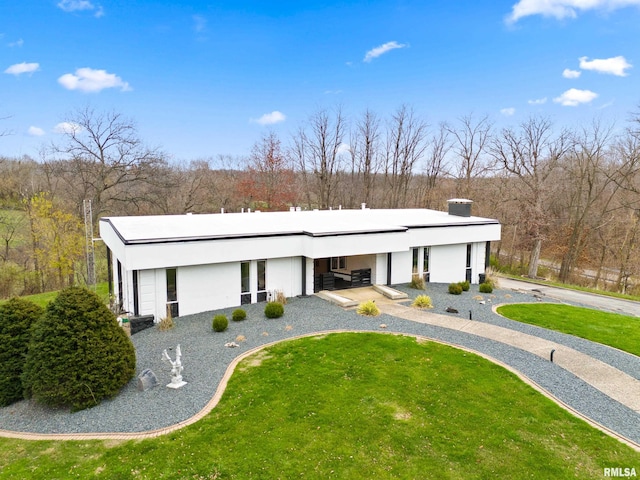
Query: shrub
column 78, row 354
column 455, row 288
column 485, row 288
column 273, row 310
column 220, row 323
column 465, row 286
column 166, row 323
column 280, row 297
column 16, row 317
column 238, row 315
column 368, row 308
column 417, row 282
column 422, row 301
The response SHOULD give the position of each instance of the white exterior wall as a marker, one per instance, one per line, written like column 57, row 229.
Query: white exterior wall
column 208, row 287
column 401, row 267
column 285, row 274
column 147, row 292
column 448, row 263
column 380, row 277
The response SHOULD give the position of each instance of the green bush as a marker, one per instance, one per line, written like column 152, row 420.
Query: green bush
column 422, row 301
column 220, row 323
column 455, row 288
column 368, row 308
column 465, row 286
column 78, row 354
column 485, row 288
column 417, row 283
column 238, row 315
column 16, row 317
column 273, row 310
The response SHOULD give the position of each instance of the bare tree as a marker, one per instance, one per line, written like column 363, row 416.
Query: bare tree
column 471, row 138
column 531, row 155
column 405, row 146
column 316, row 151
column 588, row 189
column 102, row 158
column 434, row 167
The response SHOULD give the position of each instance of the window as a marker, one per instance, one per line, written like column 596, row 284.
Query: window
column 262, row 281
column 245, row 283
column 425, row 263
column 338, row 263
column 172, row 292
column 136, row 302
column 469, row 270
column 414, row 263
column 120, row 286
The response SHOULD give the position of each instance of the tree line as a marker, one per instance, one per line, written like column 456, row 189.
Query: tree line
column 570, row 196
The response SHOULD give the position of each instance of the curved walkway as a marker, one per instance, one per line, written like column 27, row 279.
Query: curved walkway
column 592, row 389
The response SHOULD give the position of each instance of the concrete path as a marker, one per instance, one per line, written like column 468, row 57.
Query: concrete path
column 609, row 380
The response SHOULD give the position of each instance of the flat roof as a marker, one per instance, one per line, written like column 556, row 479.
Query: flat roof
column 317, row 223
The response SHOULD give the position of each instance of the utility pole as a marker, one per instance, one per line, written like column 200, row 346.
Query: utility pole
column 88, row 234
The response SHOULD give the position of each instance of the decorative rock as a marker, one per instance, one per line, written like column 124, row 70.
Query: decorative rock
column 451, row 310
column 146, row 380
column 383, row 325
column 231, row 344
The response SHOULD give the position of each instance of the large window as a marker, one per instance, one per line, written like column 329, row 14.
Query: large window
column 425, row 263
column 338, row 263
column 245, row 283
column 469, row 270
column 172, row 292
column 414, row 262
column 262, row 281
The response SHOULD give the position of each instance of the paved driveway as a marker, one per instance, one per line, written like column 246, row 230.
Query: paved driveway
column 611, row 304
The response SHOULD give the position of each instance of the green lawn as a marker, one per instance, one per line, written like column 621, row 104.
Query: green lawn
column 615, row 330
column 351, row 406
column 43, row 299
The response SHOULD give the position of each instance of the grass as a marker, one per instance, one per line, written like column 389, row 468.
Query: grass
column 311, row 408
column 615, row 330
column 43, row 299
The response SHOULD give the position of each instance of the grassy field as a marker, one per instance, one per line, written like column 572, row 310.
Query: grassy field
column 43, row 299
column 615, row 330
column 351, row 406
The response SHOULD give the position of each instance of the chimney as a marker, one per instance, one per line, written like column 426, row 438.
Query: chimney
column 460, row 207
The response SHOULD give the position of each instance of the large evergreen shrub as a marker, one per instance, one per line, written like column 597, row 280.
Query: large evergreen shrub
column 273, row 310
column 16, row 317
column 78, row 354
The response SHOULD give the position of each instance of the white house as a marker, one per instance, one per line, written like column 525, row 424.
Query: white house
column 194, row 263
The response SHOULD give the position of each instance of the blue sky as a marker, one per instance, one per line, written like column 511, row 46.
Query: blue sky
column 208, row 78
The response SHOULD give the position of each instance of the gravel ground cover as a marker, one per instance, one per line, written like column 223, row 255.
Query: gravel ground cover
column 205, row 359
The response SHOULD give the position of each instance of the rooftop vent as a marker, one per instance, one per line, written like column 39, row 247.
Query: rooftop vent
column 460, row 207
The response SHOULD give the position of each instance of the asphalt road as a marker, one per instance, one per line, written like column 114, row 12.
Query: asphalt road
column 611, row 304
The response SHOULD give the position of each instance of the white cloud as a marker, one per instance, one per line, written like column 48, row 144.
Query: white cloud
column 382, row 49
column 90, row 80
column 568, row 73
column 199, row 23
column 613, row 66
column 508, row 112
column 560, row 9
column 537, row 101
column 344, row 148
column 20, row 68
column 67, row 127
column 17, row 43
column 271, row 118
column 79, row 6
column 35, row 131
column 574, row 97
